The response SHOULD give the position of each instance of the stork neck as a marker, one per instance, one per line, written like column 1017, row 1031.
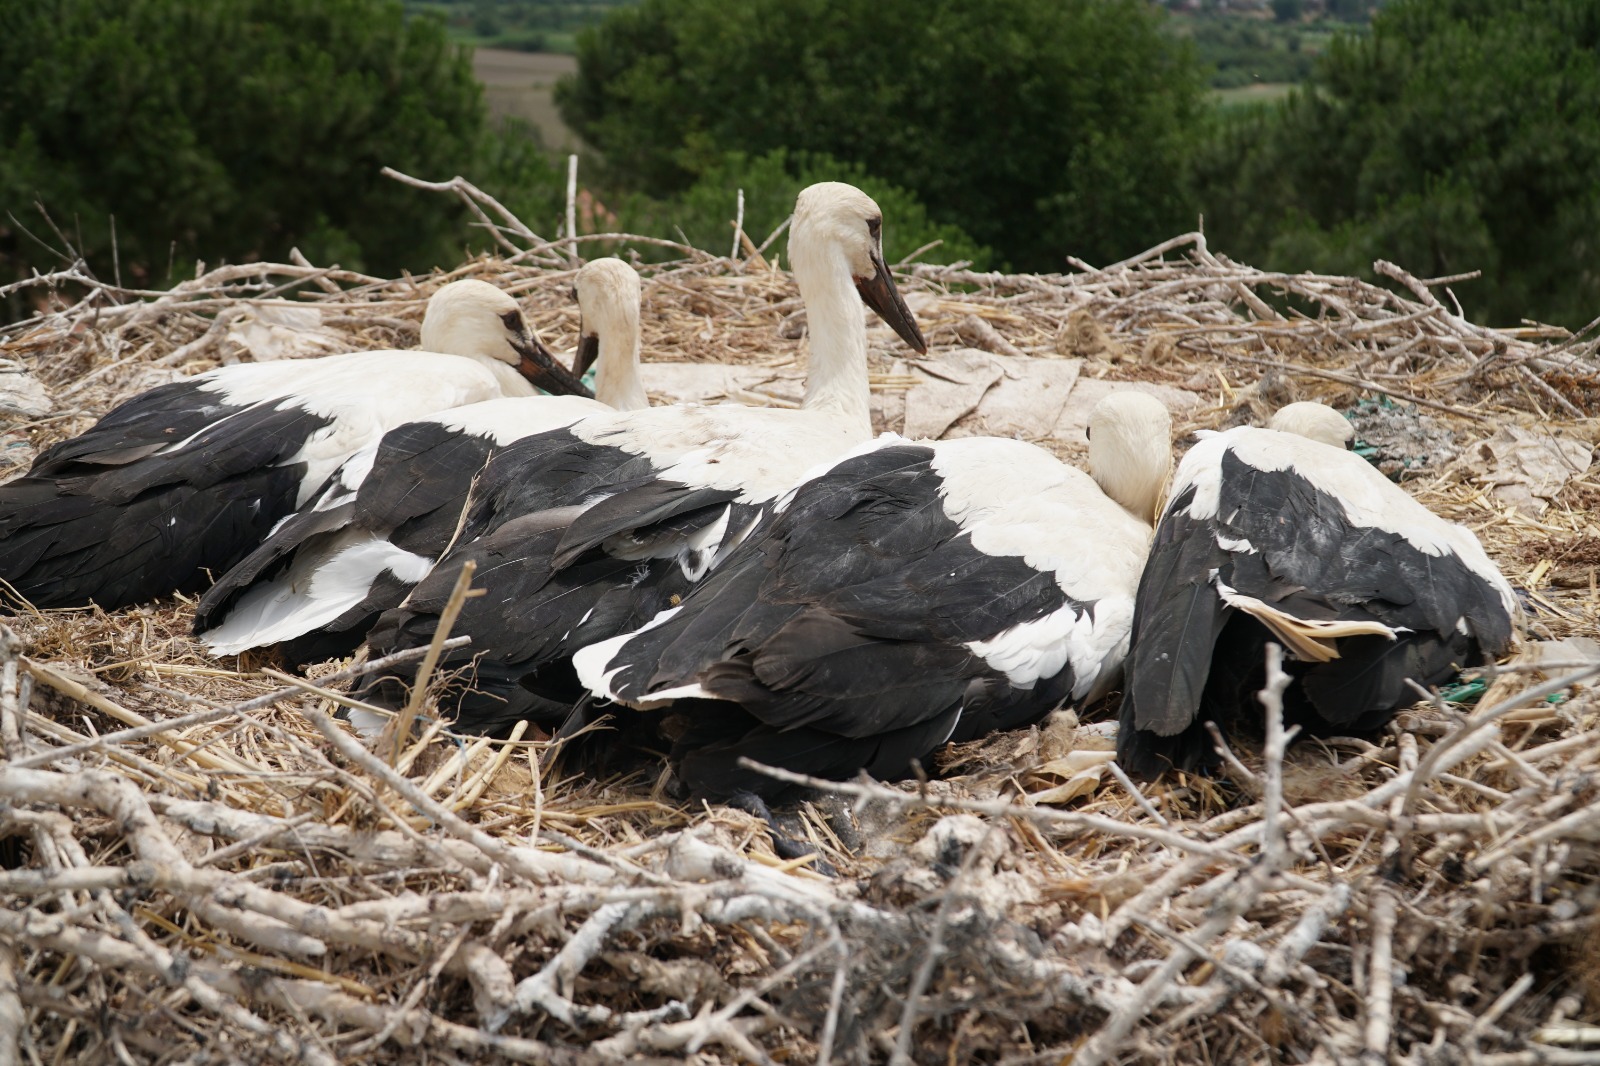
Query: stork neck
column 616, row 375
column 1134, row 476
column 836, row 380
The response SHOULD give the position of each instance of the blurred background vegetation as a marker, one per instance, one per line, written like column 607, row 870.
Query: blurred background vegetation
column 1447, row 135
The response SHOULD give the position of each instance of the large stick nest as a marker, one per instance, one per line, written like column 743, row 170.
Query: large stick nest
column 200, row 864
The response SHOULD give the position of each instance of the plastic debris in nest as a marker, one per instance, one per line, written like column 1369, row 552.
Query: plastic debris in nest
column 271, row 331
column 1535, row 662
column 23, row 399
column 1528, row 468
column 22, row 396
column 1543, row 653
column 1399, row 439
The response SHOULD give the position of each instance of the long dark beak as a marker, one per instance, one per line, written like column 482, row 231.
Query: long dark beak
column 588, row 351
column 879, row 293
column 544, row 371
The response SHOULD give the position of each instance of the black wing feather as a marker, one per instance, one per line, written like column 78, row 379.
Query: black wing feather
column 1194, row 659
column 837, row 635
column 118, row 524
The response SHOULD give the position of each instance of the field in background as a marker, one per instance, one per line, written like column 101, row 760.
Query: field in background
column 520, row 85
column 518, row 25
column 1265, row 92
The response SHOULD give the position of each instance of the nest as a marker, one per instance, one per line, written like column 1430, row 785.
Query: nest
column 201, row 864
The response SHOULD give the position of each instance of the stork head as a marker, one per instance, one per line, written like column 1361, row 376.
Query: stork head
column 1130, row 450
column 474, row 318
column 1316, row 421
column 837, row 227
column 608, row 297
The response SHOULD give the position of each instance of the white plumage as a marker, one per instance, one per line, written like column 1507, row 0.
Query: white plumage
column 677, row 485
column 342, row 555
column 182, row 481
column 1274, row 535
column 913, row 593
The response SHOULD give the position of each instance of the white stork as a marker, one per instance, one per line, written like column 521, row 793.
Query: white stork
column 914, row 593
column 1270, row 536
column 630, row 506
column 181, row 482
column 321, row 579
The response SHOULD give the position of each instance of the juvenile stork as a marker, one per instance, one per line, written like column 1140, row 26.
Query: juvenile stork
column 913, row 594
column 179, row 483
column 1270, row 536
column 652, row 498
column 316, row 585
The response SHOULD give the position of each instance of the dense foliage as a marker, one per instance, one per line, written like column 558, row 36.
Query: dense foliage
column 1459, row 135
column 1244, row 51
column 230, row 130
column 1455, row 135
column 1042, row 127
column 704, row 212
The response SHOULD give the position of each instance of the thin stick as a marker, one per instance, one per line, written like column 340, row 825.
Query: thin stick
column 572, row 209
column 1360, row 383
column 1272, row 844
column 419, row 691
column 1380, row 980
column 12, row 705
column 12, row 1016
column 116, row 255
column 738, row 229
column 1138, row 796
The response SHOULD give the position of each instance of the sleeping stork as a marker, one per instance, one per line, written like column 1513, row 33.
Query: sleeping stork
column 632, row 507
column 316, row 585
column 1270, row 536
column 1316, row 421
column 179, row 483
column 914, row 593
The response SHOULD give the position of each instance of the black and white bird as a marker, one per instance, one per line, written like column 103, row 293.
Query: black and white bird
column 375, row 529
column 179, row 483
column 1270, row 536
column 915, row 593
column 578, row 533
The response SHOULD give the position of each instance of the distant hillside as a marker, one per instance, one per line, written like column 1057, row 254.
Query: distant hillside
column 519, row 25
column 1259, row 43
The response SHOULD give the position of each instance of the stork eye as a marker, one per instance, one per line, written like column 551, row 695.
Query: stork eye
column 574, row 292
column 513, row 321
column 1088, row 433
column 875, row 227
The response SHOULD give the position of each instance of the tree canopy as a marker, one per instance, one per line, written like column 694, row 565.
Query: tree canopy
column 704, row 212
column 1458, row 135
column 1041, row 127
column 232, row 129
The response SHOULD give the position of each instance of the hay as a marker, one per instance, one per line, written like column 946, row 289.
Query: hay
column 201, row 865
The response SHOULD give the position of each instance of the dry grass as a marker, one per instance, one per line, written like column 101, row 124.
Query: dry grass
column 240, row 881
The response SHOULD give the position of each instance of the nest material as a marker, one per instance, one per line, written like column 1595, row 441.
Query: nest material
column 200, row 864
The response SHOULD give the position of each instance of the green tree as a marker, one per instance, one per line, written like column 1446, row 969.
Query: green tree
column 704, row 212
column 1458, row 135
column 232, row 129
column 1042, row 127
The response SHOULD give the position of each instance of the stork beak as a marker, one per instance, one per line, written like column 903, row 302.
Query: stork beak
column 879, row 293
column 544, row 371
column 588, row 351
